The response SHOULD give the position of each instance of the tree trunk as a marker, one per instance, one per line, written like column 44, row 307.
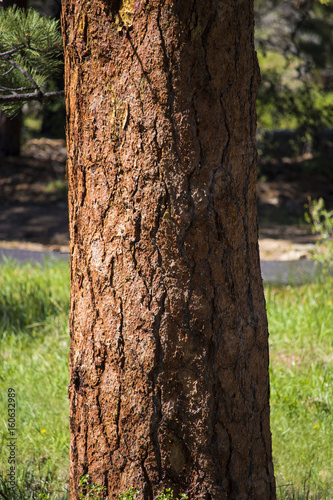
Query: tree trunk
column 169, row 378
column 10, row 128
column 19, row 3
column 10, row 135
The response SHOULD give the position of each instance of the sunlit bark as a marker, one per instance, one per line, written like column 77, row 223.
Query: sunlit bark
column 169, row 343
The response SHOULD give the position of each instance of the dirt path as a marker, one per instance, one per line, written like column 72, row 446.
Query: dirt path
column 33, row 197
column 285, row 243
column 34, row 216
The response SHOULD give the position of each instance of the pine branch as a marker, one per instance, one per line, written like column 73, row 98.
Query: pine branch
column 24, row 73
column 4, row 55
column 38, row 95
column 30, row 57
column 16, row 89
column 6, row 72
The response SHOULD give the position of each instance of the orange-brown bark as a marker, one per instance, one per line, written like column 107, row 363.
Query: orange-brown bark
column 169, row 344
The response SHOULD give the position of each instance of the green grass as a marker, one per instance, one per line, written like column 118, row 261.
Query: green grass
column 34, row 361
column 301, row 345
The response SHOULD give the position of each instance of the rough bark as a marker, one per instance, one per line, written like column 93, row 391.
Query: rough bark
column 169, row 345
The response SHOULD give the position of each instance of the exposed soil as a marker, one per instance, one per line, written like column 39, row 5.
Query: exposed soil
column 33, row 202
column 284, row 187
column 33, row 199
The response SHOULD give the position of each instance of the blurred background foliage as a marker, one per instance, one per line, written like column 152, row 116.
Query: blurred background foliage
column 36, row 119
column 294, row 41
column 47, row 120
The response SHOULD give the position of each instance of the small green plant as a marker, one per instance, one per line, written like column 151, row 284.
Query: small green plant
column 321, row 221
column 168, row 495
column 92, row 491
column 129, row 495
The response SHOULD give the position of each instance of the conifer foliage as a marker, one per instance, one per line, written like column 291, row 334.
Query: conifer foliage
column 30, row 49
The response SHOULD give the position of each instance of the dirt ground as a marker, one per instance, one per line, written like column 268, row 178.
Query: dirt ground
column 33, row 203
column 33, row 199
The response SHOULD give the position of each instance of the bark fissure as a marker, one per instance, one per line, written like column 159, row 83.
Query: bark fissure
column 95, row 307
column 157, row 416
column 148, row 489
column 120, row 349
column 117, row 417
column 169, row 111
column 205, row 35
column 268, row 464
column 101, row 420
column 136, row 241
column 223, row 163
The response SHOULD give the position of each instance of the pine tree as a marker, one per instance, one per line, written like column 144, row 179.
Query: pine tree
column 30, row 49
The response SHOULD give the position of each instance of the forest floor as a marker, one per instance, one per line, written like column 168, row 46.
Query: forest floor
column 34, row 215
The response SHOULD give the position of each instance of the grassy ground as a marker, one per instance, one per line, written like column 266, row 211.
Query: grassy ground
column 301, row 339
column 34, row 362
column 34, row 347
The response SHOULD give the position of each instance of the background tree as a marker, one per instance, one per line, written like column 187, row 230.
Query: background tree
column 30, row 49
column 295, row 51
column 28, row 59
column 53, row 111
column 169, row 344
column 295, row 47
column 10, row 127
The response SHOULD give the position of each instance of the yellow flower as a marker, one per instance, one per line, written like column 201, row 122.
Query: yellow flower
column 316, row 426
column 329, row 303
column 43, row 431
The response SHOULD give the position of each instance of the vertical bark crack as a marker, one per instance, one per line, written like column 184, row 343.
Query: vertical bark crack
column 117, row 417
column 170, row 90
column 153, row 375
column 148, row 488
column 121, row 343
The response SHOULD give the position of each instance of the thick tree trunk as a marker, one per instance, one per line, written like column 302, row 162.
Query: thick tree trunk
column 169, row 343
